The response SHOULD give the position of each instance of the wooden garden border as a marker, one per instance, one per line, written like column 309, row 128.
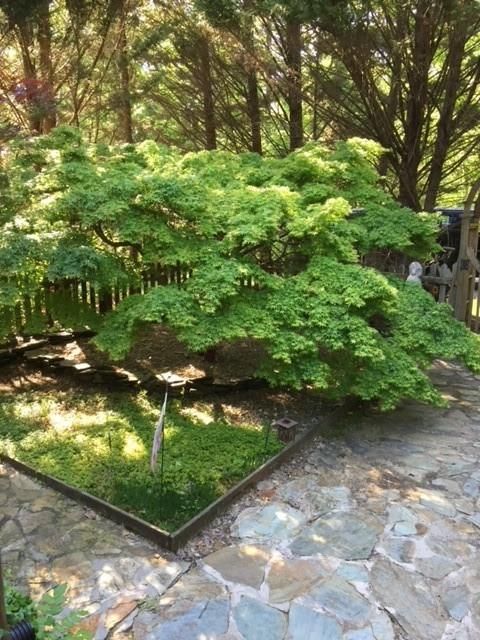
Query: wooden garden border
column 172, row 541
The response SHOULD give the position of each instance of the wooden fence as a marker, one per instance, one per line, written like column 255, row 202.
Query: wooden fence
column 77, row 304
column 81, row 302
column 444, row 289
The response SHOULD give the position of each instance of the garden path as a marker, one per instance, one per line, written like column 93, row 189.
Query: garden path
column 371, row 535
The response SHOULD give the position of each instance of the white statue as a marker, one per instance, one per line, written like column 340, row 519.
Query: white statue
column 415, row 272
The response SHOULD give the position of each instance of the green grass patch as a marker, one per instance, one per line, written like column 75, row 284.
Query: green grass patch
column 101, row 444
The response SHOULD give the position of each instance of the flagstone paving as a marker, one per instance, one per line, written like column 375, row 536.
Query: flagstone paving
column 371, row 535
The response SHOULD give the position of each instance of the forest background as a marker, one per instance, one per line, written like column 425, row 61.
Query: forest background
column 259, row 75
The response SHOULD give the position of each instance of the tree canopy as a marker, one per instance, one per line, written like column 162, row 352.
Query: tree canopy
column 256, row 75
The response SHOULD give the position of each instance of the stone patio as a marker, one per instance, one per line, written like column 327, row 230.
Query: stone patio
column 371, row 535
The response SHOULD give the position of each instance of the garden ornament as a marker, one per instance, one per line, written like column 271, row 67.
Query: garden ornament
column 415, row 272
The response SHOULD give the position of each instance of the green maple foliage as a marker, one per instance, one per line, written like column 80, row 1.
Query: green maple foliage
column 284, row 227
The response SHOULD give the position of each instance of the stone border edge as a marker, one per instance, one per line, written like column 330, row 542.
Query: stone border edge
column 173, row 541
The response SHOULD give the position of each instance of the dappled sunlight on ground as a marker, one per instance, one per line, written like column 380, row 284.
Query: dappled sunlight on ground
column 382, row 518
column 198, row 414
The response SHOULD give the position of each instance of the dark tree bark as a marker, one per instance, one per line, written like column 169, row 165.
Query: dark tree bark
column 316, row 88
column 206, row 85
column 294, row 71
column 316, row 100
column 253, row 106
column 417, row 100
column 20, row 22
column 25, row 41
column 446, row 123
column 125, row 102
column 253, row 101
column 44, row 36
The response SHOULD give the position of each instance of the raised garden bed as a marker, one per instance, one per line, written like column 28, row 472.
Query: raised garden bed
column 92, row 441
column 95, row 450
column 101, row 444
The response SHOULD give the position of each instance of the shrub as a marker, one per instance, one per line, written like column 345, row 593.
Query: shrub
column 285, row 226
column 44, row 615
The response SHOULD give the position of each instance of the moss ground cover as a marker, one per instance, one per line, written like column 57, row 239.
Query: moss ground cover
column 101, row 444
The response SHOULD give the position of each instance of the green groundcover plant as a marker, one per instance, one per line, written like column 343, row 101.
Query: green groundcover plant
column 47, row 616
column 102, row 443
column 325, row 321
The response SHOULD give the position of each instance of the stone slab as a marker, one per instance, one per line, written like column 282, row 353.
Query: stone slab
column 290, row 578
column 256, row 620
column 341, row 600
column 349, row 536
column 306, row 624
column 244, row 564
column 414, row 606
column 276, row 521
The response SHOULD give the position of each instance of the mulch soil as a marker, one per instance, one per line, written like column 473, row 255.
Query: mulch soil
column 158, row 351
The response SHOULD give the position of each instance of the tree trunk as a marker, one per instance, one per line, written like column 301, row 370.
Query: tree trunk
column 316, row 92
column 445, row 125
column 294, row 71
column 44, row 36
column 408, row 191
column 253, row 102
column 410, row 153
column 417, row 101
column 207, row 93
column 125, row 106
column 253, row 105
column 25, row 41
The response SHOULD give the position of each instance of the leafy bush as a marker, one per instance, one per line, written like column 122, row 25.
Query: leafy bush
column 44, row 615
column 102, row 444
column 324, row 320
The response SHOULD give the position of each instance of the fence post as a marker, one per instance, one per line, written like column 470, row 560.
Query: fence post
column 92, row 298
column 465, row 275
column 19, row 321
column 27, row 308
column 105, row 301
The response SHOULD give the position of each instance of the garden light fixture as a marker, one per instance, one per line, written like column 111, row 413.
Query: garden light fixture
column 286, row 429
